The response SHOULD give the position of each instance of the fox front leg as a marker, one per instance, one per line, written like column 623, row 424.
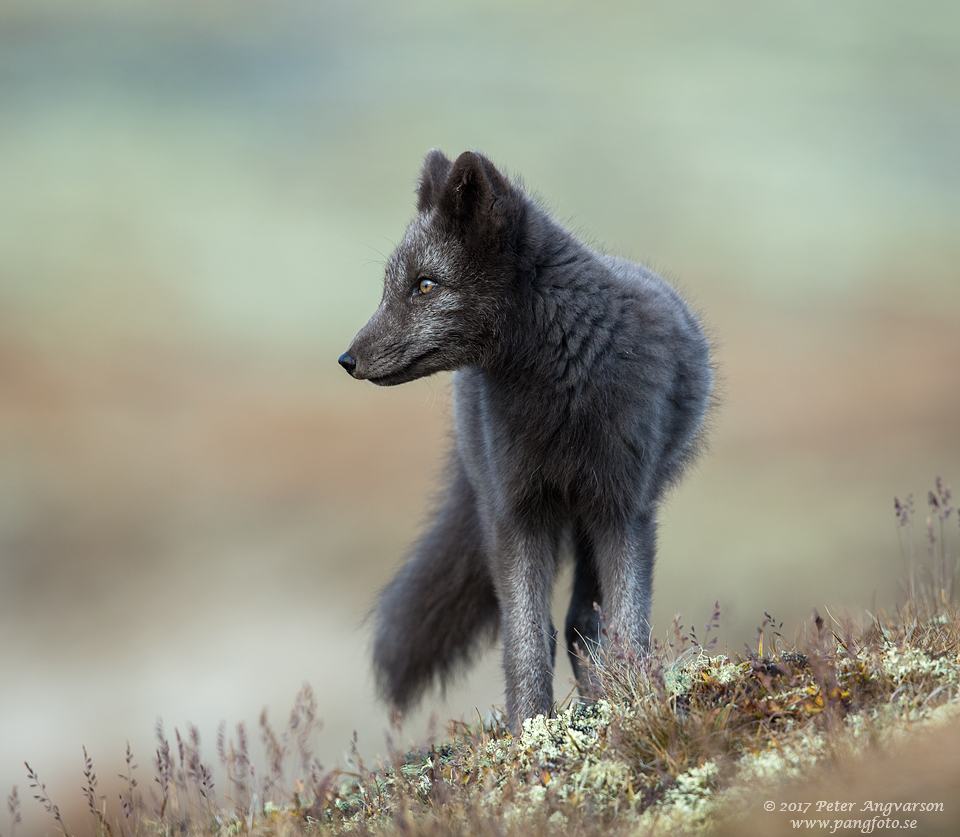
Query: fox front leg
column 523, row 570
column 624, row 560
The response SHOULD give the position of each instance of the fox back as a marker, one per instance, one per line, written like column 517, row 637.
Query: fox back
column 581, row 385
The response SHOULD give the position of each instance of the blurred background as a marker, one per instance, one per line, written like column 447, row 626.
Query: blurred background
column 197, row 506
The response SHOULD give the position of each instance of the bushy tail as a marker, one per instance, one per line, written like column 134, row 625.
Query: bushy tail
column 434, row 615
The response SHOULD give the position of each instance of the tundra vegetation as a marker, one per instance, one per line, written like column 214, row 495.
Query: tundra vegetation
column 678, row 741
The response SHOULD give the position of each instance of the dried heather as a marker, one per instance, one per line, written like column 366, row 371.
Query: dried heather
column 13, row 808
column 90, row 794
column 130, row 802
column 934, row 584
column 42, row 797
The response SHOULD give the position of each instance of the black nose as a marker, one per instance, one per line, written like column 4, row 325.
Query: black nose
column 347, row 362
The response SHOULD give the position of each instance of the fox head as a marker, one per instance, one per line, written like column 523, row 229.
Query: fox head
column 447, row 285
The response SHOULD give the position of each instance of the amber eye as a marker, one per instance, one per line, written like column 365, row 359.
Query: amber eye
column 426, row 285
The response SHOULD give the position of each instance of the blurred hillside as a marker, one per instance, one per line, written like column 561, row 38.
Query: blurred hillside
column 197, row 507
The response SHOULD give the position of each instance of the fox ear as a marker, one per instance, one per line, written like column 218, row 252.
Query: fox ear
column 436, row 168
column 477, row 198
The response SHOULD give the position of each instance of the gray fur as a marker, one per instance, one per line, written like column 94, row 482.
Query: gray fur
column 581, row 385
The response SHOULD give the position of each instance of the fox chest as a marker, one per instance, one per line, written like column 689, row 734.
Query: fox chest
column 531, row 445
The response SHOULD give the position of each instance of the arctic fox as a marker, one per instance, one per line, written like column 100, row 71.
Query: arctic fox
column 581, row 385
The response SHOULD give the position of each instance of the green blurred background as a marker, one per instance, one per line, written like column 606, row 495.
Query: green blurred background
column 197, row 506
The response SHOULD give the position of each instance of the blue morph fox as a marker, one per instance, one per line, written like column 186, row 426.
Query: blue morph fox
column 581, row 385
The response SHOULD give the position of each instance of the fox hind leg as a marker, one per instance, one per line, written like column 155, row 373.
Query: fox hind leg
column 582, row 630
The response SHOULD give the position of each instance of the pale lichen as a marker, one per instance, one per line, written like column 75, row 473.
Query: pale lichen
column 688, row 805
column 903, row 663
column 569, row 760
column 678, row 678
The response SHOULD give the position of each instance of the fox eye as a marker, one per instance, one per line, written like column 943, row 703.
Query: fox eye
column 425, row 286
